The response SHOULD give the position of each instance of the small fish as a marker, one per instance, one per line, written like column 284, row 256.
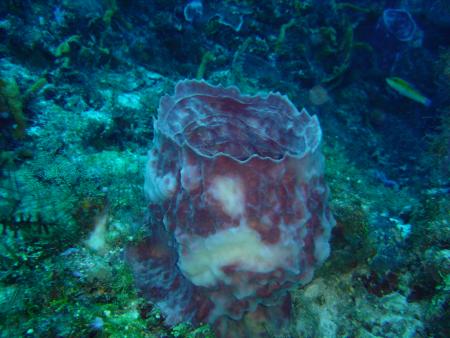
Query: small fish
column 406, row 89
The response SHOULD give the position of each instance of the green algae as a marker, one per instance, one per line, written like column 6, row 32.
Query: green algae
column 206, row 58
column 11, row 100
column 282, row 34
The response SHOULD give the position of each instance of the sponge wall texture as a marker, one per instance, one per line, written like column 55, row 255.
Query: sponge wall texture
column 238, row 203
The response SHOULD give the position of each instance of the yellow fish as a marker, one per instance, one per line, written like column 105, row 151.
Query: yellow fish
column 406, row 89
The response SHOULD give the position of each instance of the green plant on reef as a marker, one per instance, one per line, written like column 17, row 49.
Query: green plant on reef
column 353, row 7
column 207, row 57
column 302, row 5
column 236, row 66
column 62, row 51
column 112, row 9
column 12, row 101
column 34, row 88
column 282, row 34
column 64, row 47
column 345, row 49
column 318, row 48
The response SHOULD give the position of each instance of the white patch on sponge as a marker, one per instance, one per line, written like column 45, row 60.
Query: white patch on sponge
column 190, row 177
column 202, row 258
column 229, row 192
column 321, row 248
column 321, row 242
column 158, row 188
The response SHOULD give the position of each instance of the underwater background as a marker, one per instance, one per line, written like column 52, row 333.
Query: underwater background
column 80, row 84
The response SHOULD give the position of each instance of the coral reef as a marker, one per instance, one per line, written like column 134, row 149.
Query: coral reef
column 80, row 83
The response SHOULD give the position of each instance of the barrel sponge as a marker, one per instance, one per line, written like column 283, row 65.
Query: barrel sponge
column 238, row 203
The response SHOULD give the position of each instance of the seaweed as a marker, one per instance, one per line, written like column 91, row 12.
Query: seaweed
column 282, row 34
column 206, row 58
column 345, row 49
column 11, row 100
